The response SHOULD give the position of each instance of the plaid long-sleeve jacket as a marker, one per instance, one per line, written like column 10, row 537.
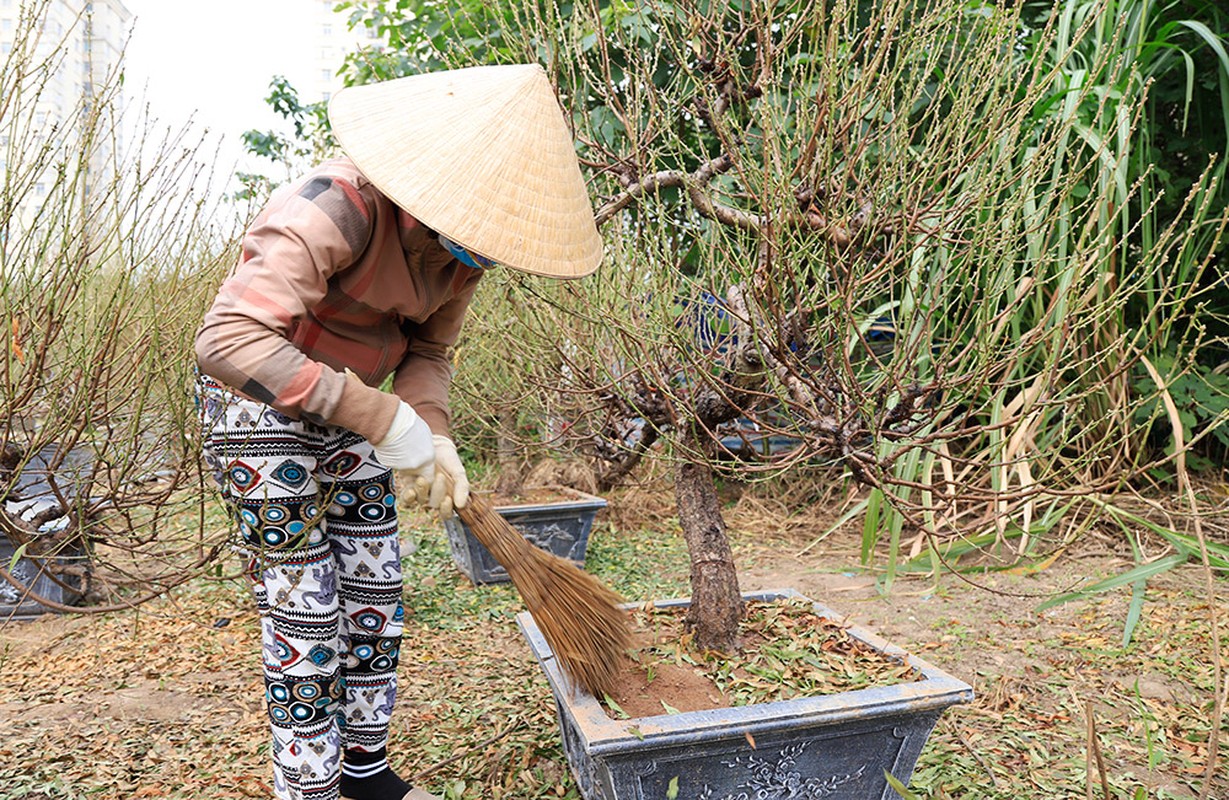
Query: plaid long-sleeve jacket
column 335, row 277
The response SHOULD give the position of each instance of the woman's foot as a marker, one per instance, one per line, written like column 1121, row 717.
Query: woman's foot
column 367, row 776
column 415, row 794
column 419, row 794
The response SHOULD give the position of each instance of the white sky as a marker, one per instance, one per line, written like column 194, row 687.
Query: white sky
column 209, row 62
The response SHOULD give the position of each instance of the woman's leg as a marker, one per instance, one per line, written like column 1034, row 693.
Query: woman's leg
column 299, row 623
column 362, row 529
column 266, row 464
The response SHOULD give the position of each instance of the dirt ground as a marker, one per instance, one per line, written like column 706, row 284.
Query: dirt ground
column 1044, row 673
column 166, row 701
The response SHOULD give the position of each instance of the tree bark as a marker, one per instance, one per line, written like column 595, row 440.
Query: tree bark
column 511, row 469
column 716, row 601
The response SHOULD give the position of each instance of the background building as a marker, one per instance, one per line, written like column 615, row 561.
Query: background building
column 332, row 40
column 181, row 72
column 68, row 52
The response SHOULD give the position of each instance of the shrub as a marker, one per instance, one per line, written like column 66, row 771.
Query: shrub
column 109, row 251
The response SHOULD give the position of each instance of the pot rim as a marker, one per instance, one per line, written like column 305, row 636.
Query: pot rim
column 934, row 692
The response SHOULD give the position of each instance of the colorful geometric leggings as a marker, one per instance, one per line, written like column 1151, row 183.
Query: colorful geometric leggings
column 317, row 518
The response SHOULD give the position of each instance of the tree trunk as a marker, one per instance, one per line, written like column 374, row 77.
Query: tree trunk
column 716, row 601
column 511, row 469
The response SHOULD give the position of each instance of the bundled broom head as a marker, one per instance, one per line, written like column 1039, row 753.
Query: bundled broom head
column 579, row 616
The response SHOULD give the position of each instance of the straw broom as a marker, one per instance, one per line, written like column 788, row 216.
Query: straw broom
column 579, row 616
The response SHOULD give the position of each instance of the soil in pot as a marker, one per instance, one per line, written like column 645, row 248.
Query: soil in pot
column 787, row 651
column 531, row 496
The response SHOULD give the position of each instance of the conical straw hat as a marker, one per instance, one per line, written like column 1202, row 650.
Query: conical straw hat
column 481, row 155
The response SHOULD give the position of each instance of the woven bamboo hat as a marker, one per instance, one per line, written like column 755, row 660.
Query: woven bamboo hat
column 481, row 155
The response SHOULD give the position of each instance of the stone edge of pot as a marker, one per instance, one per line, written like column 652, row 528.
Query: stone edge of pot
column 602, row 735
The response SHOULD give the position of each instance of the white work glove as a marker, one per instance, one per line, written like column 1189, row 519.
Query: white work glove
column 407, row 446
column 450, row 489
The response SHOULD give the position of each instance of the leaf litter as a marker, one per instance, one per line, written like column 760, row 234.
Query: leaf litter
column 787, row 651
column 158, row 702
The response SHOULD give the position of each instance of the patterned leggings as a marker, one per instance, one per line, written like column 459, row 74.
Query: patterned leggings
column 317, row 517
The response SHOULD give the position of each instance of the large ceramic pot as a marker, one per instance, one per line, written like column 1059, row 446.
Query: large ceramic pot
column 833, row 746
column 560, row 526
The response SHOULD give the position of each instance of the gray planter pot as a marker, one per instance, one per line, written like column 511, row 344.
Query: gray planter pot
column 35, row 498
column 33, row 575
column 560, row 527
column 833, row 746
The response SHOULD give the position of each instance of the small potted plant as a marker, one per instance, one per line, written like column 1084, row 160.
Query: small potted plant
column 556, row 519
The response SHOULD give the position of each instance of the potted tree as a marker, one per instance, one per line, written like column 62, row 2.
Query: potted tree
column 558, row 520
column 845, row 226
column 709, row 317
column 104, row 271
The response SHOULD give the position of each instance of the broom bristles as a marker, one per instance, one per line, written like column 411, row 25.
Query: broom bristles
column 577, row 614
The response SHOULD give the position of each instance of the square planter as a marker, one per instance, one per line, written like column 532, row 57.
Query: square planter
column 16, row 604
column 35, row 497
column 559, row 527
column 830, row 746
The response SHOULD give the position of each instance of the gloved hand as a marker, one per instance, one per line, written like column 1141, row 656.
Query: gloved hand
column 407, row 446
column 450, row 489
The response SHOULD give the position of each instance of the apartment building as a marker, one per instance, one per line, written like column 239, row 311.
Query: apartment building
column 69, row 50
column 84, row 37
column 333, row 40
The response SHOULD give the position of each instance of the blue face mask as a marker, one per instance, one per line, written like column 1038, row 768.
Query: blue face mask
column 464, row 256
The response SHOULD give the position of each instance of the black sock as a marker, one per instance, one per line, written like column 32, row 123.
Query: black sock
column 367, row 776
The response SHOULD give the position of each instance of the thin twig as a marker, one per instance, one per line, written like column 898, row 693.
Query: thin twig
column 419, row 777
column 1094, row 747
column 994, row 781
